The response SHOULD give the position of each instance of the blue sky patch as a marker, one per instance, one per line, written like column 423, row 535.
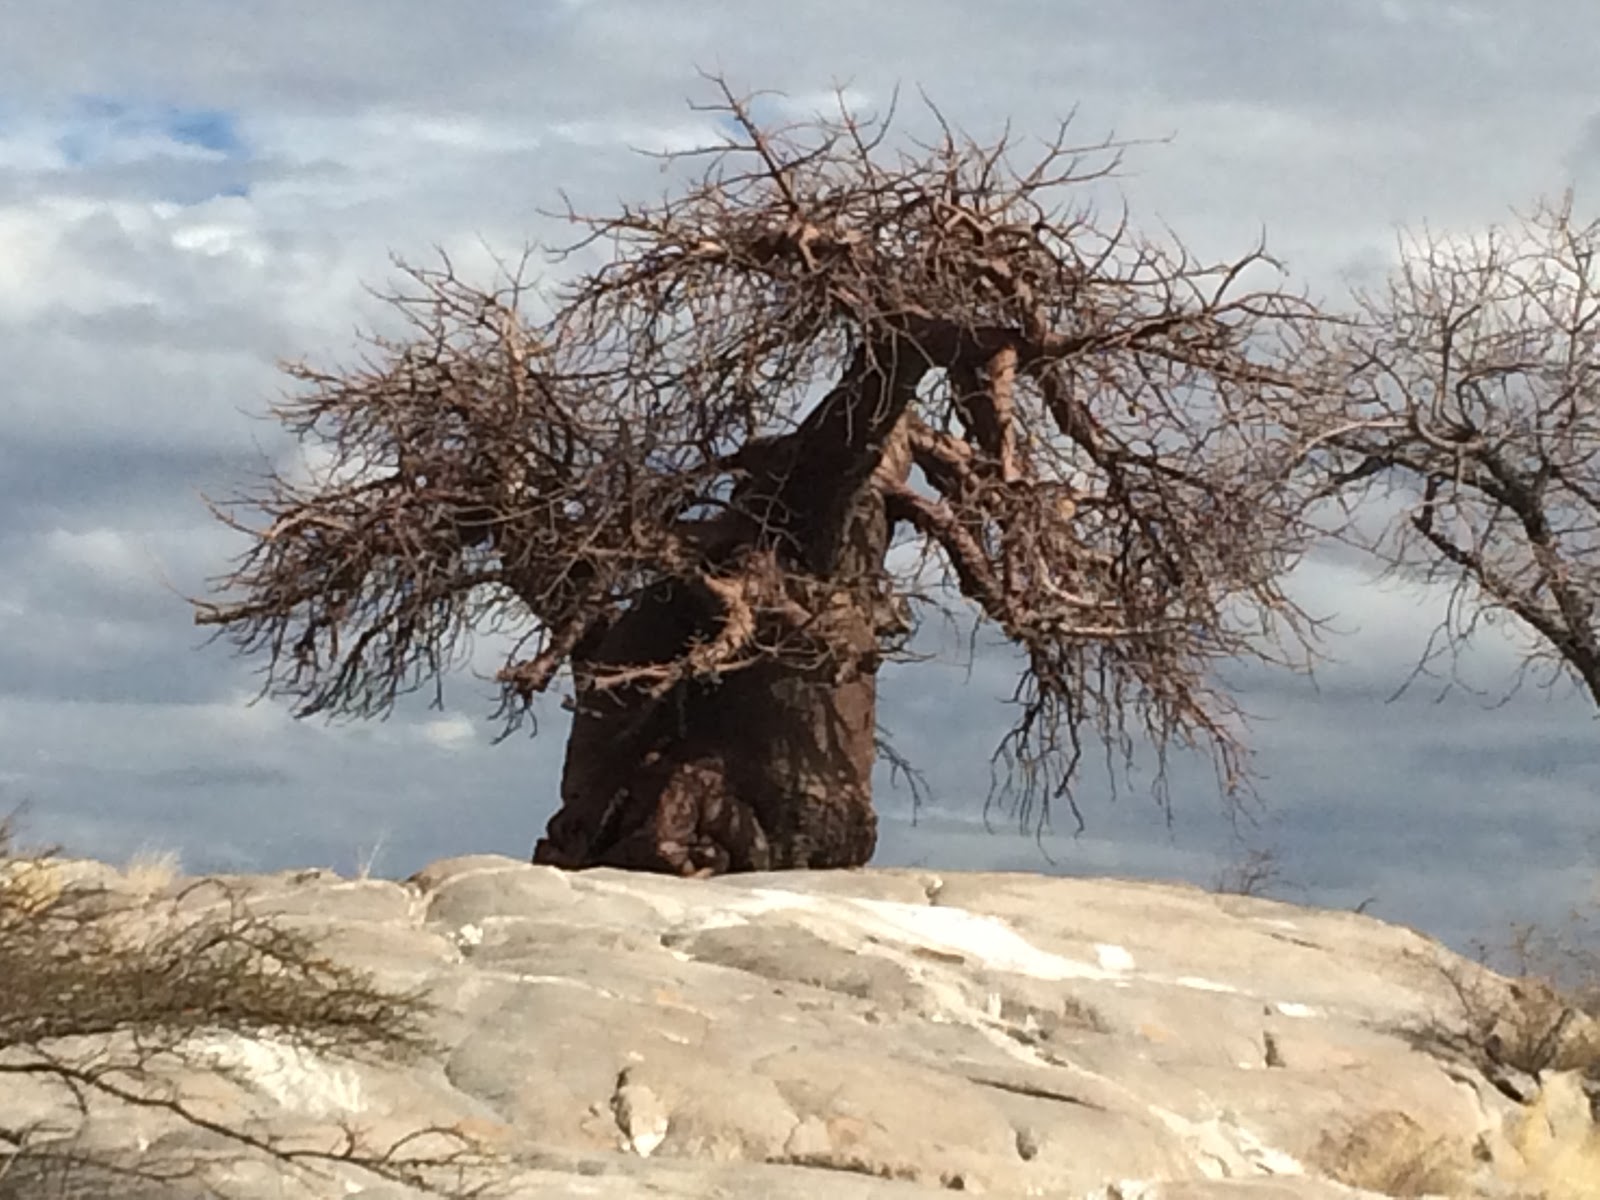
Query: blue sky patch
column 766, row 109
column 98, row 123
column 210, row 128
column 112, row 133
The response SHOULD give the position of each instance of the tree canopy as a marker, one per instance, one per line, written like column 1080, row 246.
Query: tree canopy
column 1475, row 393
column 833, row 369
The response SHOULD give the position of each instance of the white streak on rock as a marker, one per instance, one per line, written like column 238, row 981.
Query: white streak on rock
column 1225, row 1150
column 1200, row 984
column 295, row 1079
column 1289, row 1009
column 1113, row 957
column 983, row 940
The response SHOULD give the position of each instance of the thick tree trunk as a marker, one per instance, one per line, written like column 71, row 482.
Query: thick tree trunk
column 768, row 767
column 765, row 768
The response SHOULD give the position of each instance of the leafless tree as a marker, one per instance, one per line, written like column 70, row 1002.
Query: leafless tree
column 714, row 476
column 1253, row 871
column 1477, row 385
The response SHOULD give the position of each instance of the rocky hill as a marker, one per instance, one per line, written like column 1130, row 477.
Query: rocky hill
column 879, row 1034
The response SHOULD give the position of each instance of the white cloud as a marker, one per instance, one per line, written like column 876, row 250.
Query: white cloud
column 43, row 269
column 449, row 733
column 105, row 552
column 637, row 135
column 148, row 284
column 215, row 240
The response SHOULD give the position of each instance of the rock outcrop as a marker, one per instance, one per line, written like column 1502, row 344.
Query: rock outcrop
column 880, row 1034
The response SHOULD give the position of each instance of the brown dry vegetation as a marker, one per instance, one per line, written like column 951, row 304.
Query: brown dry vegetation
column 1391, row 1153
column 1534, row 1033
column 1547, row 1017
column 104, row 1011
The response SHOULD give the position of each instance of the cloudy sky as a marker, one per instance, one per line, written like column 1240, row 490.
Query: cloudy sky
column 191, row 191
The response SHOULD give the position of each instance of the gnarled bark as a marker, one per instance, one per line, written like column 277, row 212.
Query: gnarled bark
column 764, row 768
column 769, row 769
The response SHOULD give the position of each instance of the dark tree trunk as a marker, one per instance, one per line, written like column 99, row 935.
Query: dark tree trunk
column 769, row 767
column 764, row 768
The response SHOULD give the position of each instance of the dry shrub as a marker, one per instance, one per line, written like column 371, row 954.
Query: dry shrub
column 112, row 1000
column 1553, row 1020
column 1568, row 958
column 152, row 871
column 1254, row 871
column 1534, row 1033
column 1516, row 1028
column 1540, row 1029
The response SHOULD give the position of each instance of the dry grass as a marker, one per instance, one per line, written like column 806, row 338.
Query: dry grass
column 1554, row 1031
column 1534, row 1031
column 111, row 1000
column 1559, row 1144
column 151, row 871
column 1391, row 1153
column 367, row 858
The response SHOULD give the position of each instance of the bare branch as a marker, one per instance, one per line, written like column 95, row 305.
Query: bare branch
column 1113, row 441
column 1479, row 394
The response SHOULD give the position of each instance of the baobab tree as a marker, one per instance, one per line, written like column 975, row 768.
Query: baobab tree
column 825, row 387
column 1476, row 394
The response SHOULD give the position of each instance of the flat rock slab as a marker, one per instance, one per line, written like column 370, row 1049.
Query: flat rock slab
column 875, row 1034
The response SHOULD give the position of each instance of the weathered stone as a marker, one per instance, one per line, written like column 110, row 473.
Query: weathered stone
column 876, row 1034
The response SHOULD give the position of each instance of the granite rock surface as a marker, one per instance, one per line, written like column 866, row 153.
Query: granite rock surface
column 877, row 1034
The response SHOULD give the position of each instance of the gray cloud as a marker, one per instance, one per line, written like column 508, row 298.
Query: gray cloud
column 193, row 193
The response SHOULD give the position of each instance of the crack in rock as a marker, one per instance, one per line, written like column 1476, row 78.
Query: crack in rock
column 1036, row 1091
column 641, row 1116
